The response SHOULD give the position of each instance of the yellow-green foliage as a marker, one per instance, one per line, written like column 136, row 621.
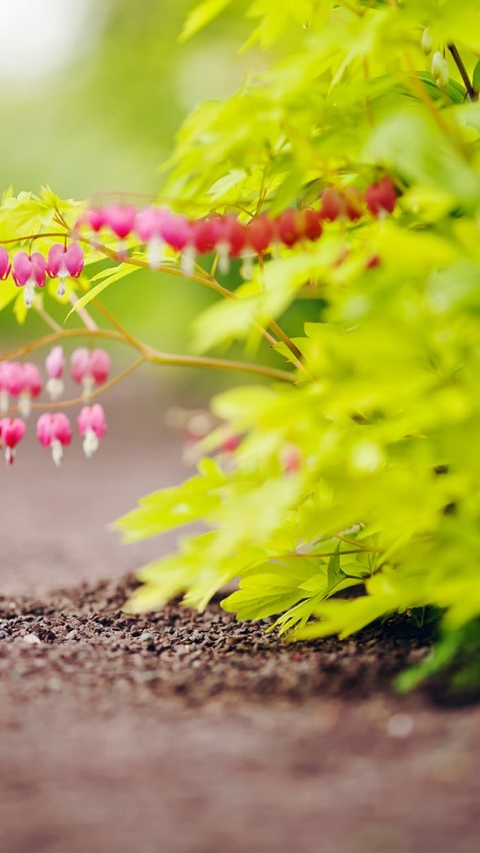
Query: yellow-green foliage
column 386, row 414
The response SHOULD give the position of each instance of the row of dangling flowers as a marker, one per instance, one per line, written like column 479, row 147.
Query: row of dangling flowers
column 21, row 383
column 159, row 227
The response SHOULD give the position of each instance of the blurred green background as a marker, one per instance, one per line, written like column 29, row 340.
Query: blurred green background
column 92, row 93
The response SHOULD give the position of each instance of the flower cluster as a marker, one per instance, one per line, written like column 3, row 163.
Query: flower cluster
column 20, row 383
column 31, row 271
column 226, row 235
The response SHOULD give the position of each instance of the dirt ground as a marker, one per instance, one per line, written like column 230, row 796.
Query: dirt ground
column 186, row 733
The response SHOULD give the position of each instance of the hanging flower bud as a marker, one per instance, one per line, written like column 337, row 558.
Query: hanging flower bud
column 120, row 219
column 8, row 371
column 231, row 242
column 231, row 443
column 55, row 365
column 148, row 227
column 92, row 426
column 5, row 266
column 440, row 70
column 287, row 227
column 291, row 458
column 29, row 271
column 260, row 234
column 89, row 368
column 310, row 224
column 427, row 42
column 381, row 198
column 54, row 431
column 175, row 230
column 206, row 234
column 354, row 204
column 63, row 263
column 31, row 387
column 11, row 383
column 95, row 218
column 12, row 430
column 333, row 205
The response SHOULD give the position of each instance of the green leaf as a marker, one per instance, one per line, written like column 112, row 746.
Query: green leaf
column 106, row 277
column 20, row 309
column 202, row 15
column 174, row 507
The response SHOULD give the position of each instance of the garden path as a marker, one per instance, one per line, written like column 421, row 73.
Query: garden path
column 181, row 734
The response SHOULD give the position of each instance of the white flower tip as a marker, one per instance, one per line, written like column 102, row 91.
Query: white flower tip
column 187, row 261
column 223, row 258
column 90, row 444
column 28, row 296
column 57, row 453
column 54, row 388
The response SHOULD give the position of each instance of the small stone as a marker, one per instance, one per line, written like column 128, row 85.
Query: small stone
column 400, row 725
column 32, row 640
column 147, row 638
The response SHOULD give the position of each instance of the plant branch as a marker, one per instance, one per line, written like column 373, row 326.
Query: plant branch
column 472, row 94
column 47, row 318
column 155, row 356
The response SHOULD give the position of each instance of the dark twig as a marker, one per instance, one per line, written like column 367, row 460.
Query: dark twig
column 472, row 94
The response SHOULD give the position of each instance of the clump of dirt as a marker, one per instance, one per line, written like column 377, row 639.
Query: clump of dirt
column 82, row 636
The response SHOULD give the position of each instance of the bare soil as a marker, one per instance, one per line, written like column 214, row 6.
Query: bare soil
column 191, row 733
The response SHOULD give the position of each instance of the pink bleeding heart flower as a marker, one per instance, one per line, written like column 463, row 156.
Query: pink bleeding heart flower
column 12, row 430
column 231, row 443
column 260, row 234
column 381, row 198
column 288, row 227
column 95, row 218
column 120, row 218
column 55, row 365
column 14, row 378
column 310, row 224
column 54, row 431
column 148, row 225
column 4, row 386
column 31, row 387
column 206, row 234
column 176, row 230
column 231, row 242
column 5, row 266
column 203, row 236
column 92, row 426
column 89, row 368
column 29, row 271
column 333, row 205
column 64, row 262
column 291, row 458
column 11, row 383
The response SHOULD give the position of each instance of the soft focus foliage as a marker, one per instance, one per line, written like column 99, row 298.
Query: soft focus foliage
column 386, row 413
